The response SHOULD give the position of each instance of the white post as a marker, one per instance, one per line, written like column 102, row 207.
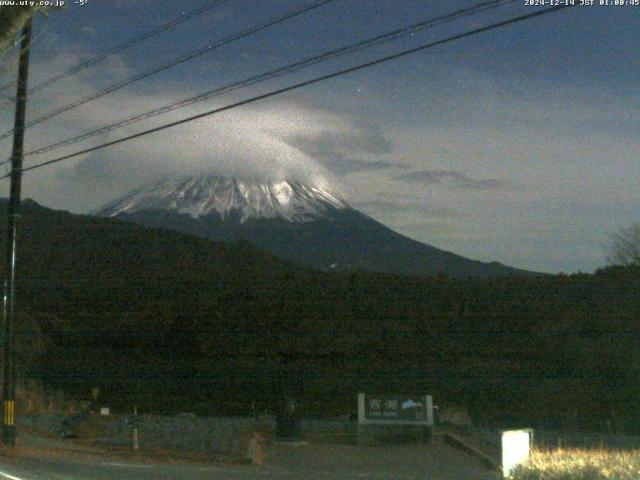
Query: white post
column 515, row 449
column 429, row 404
column 360, row 407
column 136, row 446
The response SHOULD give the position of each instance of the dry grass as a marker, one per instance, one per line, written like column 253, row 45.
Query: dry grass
column 32, row 397
column 578, row 464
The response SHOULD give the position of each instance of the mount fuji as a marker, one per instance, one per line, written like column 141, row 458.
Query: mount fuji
column 302, row 223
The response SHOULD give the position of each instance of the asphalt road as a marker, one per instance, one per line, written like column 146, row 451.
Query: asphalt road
column 340, row 462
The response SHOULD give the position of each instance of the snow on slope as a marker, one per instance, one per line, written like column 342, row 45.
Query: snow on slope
column 249, row 199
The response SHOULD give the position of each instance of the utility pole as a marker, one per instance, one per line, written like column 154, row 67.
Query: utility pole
column 13, row 213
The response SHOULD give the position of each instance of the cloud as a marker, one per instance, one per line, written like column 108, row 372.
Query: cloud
column 284, row 139
column 249, row 142
column 343, row 164
column 405, row 206
column 347, row 146
column 253, row 141
column 452, row 179
column 271, row 141
column 88, row 30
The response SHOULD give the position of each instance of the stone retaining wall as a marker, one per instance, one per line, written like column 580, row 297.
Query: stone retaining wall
column 52, row 424
column 206, row 434
column 181, row 432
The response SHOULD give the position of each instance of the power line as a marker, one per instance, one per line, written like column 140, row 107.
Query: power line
column 177, row 61
column 125, row 46
column 383, row 38
column 299, row 85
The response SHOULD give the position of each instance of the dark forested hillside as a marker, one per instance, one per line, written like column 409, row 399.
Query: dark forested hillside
column 172, row 322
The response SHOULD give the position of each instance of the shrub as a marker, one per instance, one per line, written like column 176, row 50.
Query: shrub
column 579, row 465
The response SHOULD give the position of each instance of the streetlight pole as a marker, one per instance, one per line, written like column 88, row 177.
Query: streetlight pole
column 13, row 213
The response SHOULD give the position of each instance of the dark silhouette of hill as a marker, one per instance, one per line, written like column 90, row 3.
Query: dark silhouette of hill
column 344, row 240
column 171, row 322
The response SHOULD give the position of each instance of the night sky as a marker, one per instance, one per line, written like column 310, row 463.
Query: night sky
column 519, row 145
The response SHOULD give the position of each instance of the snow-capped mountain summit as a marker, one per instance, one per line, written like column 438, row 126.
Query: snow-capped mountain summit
column 230, row 198
column 301, row 223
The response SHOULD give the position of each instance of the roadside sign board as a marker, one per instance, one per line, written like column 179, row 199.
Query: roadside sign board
column 395, row 409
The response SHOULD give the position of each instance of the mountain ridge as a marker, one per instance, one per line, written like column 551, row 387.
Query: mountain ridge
column 230, row 198
column 305, row 224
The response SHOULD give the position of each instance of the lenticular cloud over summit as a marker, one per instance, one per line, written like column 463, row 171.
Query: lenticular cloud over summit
column 251, row 143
